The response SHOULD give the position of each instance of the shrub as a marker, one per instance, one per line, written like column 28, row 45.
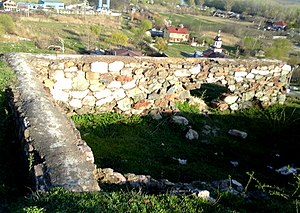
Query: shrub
column 7, row 23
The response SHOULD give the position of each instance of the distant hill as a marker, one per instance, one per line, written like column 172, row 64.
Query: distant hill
column 289, row 1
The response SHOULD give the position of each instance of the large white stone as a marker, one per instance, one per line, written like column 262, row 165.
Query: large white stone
column 75, row 103
column 116, row 66
column 58, row 74
column 119, row 94
column 80, row 83
column 182, row 73
column 196, row 69
column 63, row 83
column 79, row 94
column 104, row 101
column 250, row 76
column 100, row 67
column 231, row 88
column 260, row 72
column 124, row 104
column 286, row 67
column 231, row 99
column 89, row 101
column 238, row 79
column 103, row 94
column 129, row 85
column 60, row 95
column 240, row 74
column 114, row 84
column 234, row 107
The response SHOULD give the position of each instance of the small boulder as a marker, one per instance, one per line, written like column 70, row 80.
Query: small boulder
column 180, row 120
column 238, row 133
column 192, row 135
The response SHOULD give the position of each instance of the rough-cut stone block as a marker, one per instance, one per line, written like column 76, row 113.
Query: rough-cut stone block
column 76, row 103
column 79, row 94
column 124, row 104
column 58, row 74
column 195, row 70
column 231, row 99
column 99, row 67
column 60, row 95
column 114, row 84
column 116, row 66
column 119, row 94
column 97, row 87
column 240, row 74
column 182, row 73
column 92, row 76
column 89, row 101
column 129, row 85
column 104, row 101
column 80, row 83
column 63, row 83
column 103, row 94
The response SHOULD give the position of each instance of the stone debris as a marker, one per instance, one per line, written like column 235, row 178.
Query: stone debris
column 238, row 133
column 287, row 170
column 180, row 120
column 234, row 163
column 192, row 135
column 180, row 161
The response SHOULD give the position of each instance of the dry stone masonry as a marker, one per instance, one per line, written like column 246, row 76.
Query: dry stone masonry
column 130, row 85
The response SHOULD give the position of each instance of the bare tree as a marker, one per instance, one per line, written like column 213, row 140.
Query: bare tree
column 229, row 4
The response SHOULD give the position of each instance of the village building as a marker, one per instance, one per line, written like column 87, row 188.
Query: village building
column 215, row 51
column 176, row 34
column 9, row 5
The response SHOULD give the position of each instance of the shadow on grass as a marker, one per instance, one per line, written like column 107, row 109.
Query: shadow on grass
column 13, row 176
column 142, row 145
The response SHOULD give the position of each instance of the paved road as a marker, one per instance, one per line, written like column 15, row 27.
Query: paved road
column 294, row 93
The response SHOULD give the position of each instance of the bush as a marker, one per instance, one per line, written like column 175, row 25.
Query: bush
column 7, row 23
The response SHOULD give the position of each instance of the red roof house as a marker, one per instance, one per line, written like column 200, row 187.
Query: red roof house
column 177, row 34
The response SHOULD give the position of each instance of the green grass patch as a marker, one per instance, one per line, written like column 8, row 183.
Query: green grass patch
column 182, row 50
column 142, row 145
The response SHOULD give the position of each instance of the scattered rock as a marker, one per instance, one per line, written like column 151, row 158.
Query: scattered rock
column 234, row 163
column 237, row 133
column 192, row 135
column 180, row 120
column 287, row 170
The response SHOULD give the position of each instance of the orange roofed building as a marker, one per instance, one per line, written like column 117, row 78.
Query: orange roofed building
column 176, row 34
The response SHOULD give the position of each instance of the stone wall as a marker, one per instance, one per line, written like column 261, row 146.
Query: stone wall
column 55, row 153
column 132, row 85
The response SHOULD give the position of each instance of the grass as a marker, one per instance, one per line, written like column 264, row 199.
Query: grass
column 182, row 50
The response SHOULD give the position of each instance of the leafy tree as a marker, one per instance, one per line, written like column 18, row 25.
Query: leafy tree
column 159, row 21
column 118, row 38
column 7, row 24
column 250, row 44
column 279, row 50
column 145, row 25
column 161, row 44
